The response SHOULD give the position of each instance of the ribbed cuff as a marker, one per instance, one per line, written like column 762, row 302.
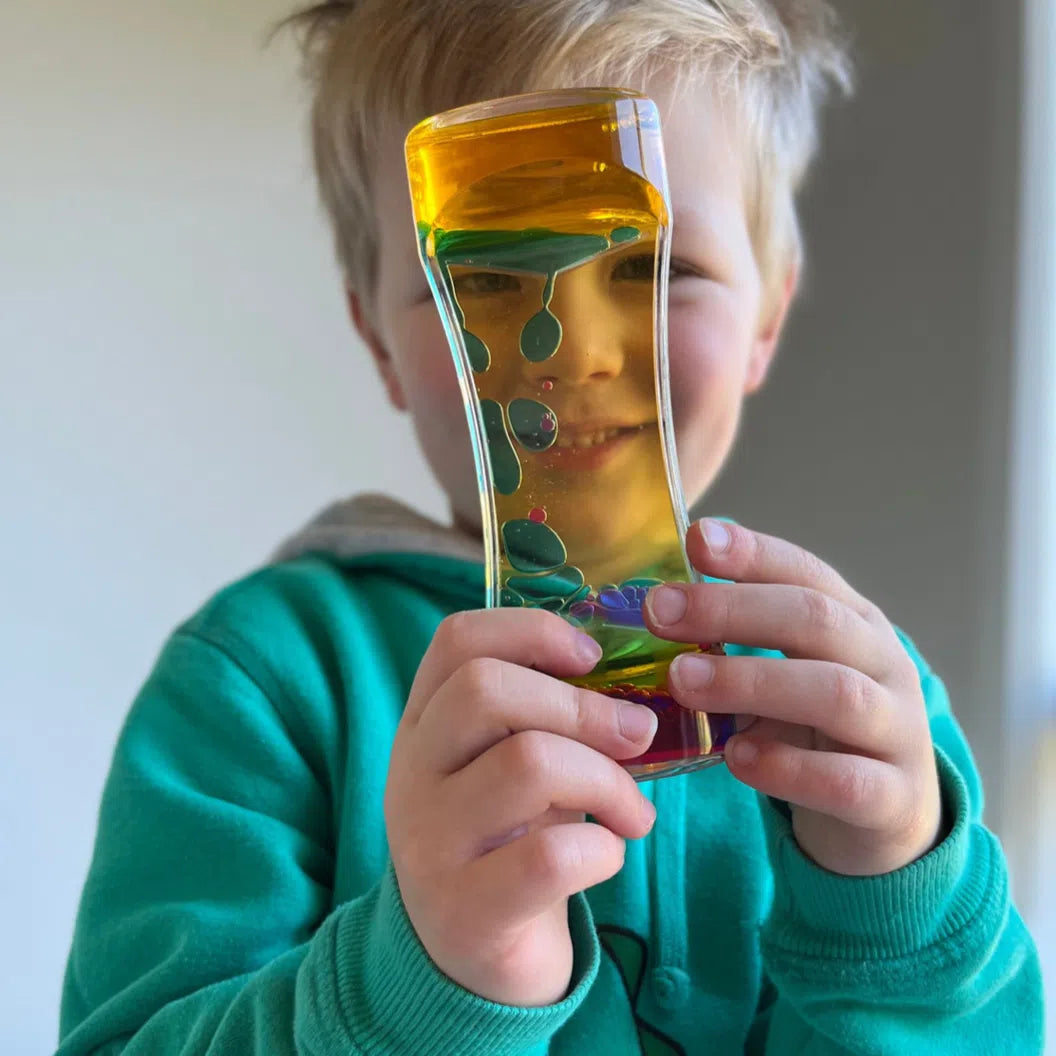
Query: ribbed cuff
column 392, row 998
column 823, row 923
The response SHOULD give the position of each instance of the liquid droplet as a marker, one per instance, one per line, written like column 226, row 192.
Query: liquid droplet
column 478, row 353
column 510, row 599
column 532, row 547
column 505, row 466
column 533, row 424
column 563, row 584
column 541, row 336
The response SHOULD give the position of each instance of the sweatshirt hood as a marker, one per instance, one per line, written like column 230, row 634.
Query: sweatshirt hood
column 377, row 524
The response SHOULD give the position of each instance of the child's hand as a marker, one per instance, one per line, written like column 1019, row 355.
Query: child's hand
column 493, row 767
column 841, row 734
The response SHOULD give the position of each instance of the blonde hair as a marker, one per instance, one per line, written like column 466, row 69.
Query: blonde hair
column 374, row 62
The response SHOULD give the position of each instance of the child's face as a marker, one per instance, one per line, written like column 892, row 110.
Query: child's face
column 721, row 335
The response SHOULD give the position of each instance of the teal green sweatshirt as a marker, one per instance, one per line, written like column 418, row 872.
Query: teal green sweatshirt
column 241, row 900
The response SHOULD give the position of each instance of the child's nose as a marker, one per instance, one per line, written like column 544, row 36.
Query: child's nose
column 592, row 339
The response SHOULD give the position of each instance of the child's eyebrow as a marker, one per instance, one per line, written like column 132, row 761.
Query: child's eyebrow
column 697, row 227
column 694, row 220
column 708, row 228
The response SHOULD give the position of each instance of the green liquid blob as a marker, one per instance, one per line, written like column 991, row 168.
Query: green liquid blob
column 541, row 336
column 477, row 352
column 534, row 249
column 528, row 421
column 564, row 583
column 532, row 547
column 505, row 466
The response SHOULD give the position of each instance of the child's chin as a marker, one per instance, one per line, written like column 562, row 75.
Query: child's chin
column 620, row 547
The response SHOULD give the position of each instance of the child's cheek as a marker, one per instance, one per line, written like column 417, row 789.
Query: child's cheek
column 708, row 351
column 696, row 358
column 426, row 368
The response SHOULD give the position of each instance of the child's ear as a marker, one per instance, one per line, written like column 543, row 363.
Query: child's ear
column 380, row 355
column 773, row 325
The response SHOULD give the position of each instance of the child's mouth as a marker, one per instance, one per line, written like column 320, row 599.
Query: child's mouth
column 580, row 447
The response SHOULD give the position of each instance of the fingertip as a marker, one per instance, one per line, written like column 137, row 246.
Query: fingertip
column 648, row 815
column 587, row 650
column 666, row 605
column 713, row 545
column 717, row 537
column 638, row 723
column 741, row 752
column 640, row 827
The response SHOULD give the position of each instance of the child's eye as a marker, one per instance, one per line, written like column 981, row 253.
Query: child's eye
column 640, row 269
column 679, row 269
column 482, row 283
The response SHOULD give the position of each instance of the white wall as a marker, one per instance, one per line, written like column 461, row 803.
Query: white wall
column 178, row 389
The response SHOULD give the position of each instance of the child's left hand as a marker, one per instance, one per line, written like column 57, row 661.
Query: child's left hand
column 840, row 730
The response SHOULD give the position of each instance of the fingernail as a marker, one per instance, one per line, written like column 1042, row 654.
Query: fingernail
column 637, row 722
column 742, row 752
column 693, row 672
column 716, row 535
column 649, row 810
column 589, row 651
column 667, row 605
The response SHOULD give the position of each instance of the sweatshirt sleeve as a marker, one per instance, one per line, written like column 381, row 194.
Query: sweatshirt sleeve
column 931, row 958
column 207, row 923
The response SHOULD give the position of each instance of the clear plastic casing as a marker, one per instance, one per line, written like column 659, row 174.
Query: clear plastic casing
column 544, row 228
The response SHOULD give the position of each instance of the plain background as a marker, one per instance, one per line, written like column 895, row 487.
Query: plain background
column 180, row 387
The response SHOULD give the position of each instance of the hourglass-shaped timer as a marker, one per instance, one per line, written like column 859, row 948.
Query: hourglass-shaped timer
column 543, row 225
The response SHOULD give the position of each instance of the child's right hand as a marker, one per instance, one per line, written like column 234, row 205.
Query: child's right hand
column 493, row 768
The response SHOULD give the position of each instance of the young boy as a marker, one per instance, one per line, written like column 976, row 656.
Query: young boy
column 347, row 811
